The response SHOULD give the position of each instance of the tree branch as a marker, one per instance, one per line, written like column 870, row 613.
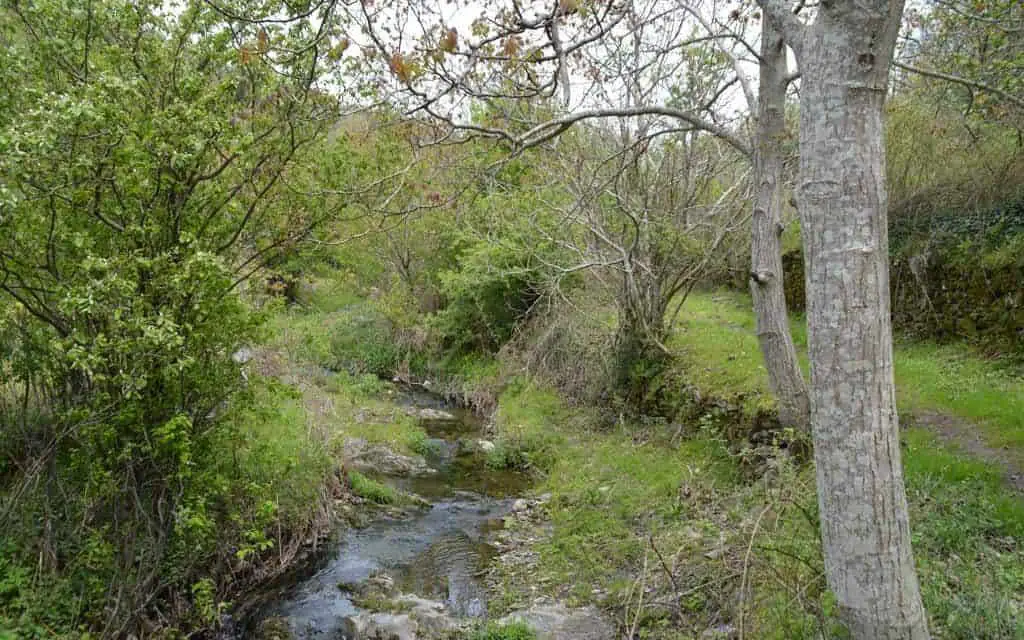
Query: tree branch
column 793, row 31
column 972, row 84
column 541, row 132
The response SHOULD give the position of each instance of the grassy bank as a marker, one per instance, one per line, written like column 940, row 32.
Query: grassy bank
column 715, row 342
column 670, row 527
column 676, row 533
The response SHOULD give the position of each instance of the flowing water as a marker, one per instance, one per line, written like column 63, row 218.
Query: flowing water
column 436, row 553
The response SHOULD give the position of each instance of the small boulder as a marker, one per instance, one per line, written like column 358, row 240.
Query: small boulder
column 556, row 622
column 520, row 506
column 380, row 626
column 377, row 458
column 243, row 355
column 471, row 447
column 430, row 616
column 427, row 413
column 381, row 582
column 485, row 446
column 719, row 632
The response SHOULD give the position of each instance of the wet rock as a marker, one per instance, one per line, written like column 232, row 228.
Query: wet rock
column 243, row 355
column 719, row 632
column 381, row 582
column 427, row 413
column 380, row 626
column 431, row 617
column 363, row 456
column 401, row 617
column 520, row 506
column 353, row 447
column 556, row 622
column 485, row 446
column 274, row 629
column 471, row 447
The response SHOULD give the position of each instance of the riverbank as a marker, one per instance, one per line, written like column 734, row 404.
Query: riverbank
column 679, row 532
column 674, row 530
column 416, row 499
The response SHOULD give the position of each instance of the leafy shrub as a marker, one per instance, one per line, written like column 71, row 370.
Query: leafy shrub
column 489, row 294
column 161, row 198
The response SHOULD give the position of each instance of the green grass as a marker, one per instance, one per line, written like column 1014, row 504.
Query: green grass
column 370, row 489
column 533, row 426
column 344, row 405
column 617, row 496
column 951, row 379
column 715, row 341
column 609, row 493
column 279, row 457
column 498, row 631
column 620, row 494
column 717, row 347
column 967, row 532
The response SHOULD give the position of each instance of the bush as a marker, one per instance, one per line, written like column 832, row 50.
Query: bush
column 487, row 297
column 362, row 342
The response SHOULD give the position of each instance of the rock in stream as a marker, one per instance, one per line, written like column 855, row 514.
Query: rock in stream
column 377, row 458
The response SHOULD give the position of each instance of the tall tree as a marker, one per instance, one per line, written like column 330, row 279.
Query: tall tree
column 844, row 55
column 785, row 378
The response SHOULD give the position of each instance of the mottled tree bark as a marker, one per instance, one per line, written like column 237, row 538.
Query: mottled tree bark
column 844, row 58
column 766, row 278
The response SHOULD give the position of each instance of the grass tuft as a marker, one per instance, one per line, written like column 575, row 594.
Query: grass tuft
column 509, row 631
column 369, row 489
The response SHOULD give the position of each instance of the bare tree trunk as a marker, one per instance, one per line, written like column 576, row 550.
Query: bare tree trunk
column 766, row 278
column 844, row 59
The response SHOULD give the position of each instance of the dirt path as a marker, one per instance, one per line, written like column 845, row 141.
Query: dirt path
column 964, row 436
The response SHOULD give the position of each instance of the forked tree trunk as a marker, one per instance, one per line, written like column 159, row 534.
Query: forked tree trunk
column 844, row 59
column 785, row 379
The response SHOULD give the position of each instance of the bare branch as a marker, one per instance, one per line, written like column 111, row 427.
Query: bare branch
column 966, row 82
column 543, row 131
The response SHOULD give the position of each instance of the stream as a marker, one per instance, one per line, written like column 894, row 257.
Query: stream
column 437, row 553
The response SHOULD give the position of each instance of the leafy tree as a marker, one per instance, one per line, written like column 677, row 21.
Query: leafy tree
column 146, row 152
column 971, row 54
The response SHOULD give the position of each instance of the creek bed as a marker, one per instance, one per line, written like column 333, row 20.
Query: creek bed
column 437, row 553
